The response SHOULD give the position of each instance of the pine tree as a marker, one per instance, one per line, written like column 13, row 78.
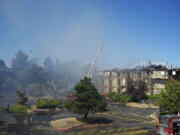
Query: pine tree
column 169, row 100
column 21, row 99
column 86, row 99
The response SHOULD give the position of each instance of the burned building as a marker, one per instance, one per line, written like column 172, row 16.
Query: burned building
column 154, row 77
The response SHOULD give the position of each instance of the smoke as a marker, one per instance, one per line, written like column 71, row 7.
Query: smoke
column 73, row 30
column 77, row 41
column 57, row 32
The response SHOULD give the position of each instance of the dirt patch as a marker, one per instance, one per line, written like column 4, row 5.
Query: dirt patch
column 69, row 123
column 140, row 105
column 64, row 124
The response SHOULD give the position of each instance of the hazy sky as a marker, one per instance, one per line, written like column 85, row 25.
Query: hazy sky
column 133, row 30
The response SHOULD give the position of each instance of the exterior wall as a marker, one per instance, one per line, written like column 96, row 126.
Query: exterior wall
column 160, row 75
column 116, row 80
column 174, row 74
column 106, row 82
column 115, row 85
column 157, row 88
column 106, row 85
column 159, row 79
column 123, row 82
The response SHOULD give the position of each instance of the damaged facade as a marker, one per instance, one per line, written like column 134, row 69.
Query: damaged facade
column 154, row 78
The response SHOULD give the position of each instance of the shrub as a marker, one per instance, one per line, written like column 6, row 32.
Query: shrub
column 111, row 94
column 42, row 103
column 126, row 98
column 68, row 104
column 154, row 98
column 21, row 99
column 45, row 103
column 116, row 97
column 120, row 97
column 55, row 102
column 17, row 108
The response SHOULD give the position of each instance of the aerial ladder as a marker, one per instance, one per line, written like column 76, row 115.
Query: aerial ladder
column 91, row 71
column 53, row 84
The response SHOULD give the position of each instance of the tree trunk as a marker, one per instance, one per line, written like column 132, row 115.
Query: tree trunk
column 85, row 115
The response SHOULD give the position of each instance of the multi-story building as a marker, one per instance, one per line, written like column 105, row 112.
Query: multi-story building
column 154, row 77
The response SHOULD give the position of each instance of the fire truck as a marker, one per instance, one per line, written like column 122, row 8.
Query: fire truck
column 70, row 97
column 169, row 125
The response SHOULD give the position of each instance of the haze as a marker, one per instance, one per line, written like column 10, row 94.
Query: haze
column 133, row 31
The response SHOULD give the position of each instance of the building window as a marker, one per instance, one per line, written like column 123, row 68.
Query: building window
column 157, row 92
column 163, row 73
column 173, row 72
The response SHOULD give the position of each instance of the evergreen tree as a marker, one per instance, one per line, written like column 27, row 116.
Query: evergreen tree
column 20, row 62
column 141, row 91
column 136, row 89
column 169, row 100
column 2, row 65
column 21, row 99
column 86, row 99
column 7, row 83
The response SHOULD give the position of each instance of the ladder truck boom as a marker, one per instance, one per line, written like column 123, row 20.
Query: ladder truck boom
column 91, row 71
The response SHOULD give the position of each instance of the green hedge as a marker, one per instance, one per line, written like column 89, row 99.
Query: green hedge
column 55, row 102
column 154, row 99
column 17, row 108
column 45, row 103
column 119, row 97
column 116, row 97
column 126, row 98
column 111, row 94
